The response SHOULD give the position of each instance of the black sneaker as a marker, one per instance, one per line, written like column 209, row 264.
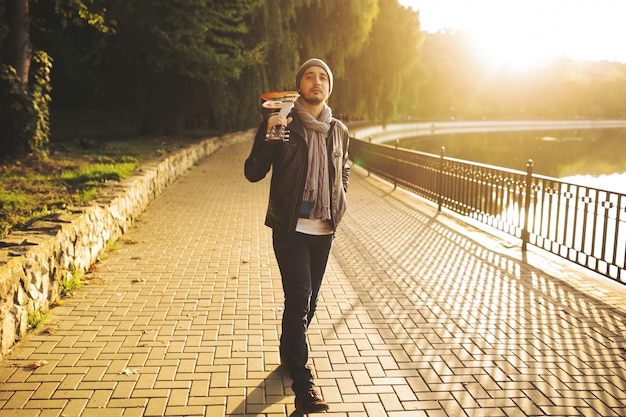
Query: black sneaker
column 310, row 402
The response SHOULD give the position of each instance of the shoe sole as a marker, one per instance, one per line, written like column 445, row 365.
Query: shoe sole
column 320, row 409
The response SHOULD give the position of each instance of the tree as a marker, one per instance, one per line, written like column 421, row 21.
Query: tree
column 181, row 59
column 384, row 70
column 17, row 50
column 14, row 71
column 25, row 75
column 334, row 30
column 284, row 36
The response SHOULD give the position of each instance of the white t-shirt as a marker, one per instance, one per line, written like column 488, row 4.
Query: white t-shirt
column 314, row 226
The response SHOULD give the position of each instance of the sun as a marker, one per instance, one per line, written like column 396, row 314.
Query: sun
column 513, row 36
column 511, row 49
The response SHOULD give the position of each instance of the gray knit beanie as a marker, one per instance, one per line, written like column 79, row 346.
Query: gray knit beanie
column 315, row 62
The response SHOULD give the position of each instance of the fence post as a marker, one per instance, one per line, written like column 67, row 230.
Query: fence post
column 368, row 167
column 397, row 168
column 527, row 196
column 440, row 180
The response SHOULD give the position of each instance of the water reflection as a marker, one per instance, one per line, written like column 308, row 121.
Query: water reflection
column 594, row 157
column 612, row 182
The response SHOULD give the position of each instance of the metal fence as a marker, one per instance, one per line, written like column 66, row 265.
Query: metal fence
column 581, row 224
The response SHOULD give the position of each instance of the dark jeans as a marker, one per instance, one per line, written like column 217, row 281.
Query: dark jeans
column 302, row 261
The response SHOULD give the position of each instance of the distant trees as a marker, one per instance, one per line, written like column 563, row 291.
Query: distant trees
column 174, row 66
column 180, row 65
column 455, row 84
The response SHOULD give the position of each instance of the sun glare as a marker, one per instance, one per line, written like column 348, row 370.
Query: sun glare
column 510, row 50
column 520, row 35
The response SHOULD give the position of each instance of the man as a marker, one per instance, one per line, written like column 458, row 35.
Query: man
column 307, row 200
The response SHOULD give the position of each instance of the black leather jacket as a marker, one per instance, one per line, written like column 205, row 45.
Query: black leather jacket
column 289, row 164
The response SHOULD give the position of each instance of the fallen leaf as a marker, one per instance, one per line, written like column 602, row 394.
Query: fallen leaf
column 95, row 280
column 51, row 330
column 36, row 364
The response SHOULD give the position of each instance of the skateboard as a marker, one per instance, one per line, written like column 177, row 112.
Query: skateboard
column 279, row 102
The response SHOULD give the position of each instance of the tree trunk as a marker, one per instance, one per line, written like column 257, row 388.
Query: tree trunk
column 17, row 47
column 17, row 53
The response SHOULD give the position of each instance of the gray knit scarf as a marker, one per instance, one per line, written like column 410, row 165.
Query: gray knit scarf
column 316, row 189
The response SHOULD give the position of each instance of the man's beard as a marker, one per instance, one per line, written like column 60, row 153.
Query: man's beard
column 312, row 100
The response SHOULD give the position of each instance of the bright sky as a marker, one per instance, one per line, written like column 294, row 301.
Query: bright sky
column 524, row 33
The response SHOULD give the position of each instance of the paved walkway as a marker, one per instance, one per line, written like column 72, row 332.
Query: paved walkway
column 420, row 316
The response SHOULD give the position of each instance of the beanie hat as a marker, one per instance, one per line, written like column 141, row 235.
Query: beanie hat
column 315, row 62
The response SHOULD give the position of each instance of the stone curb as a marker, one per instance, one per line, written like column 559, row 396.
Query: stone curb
column 35, row 262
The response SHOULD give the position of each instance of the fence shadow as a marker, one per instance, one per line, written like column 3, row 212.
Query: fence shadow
column 427, row 300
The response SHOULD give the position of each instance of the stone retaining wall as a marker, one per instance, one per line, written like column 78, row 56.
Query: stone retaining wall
column 34, row 263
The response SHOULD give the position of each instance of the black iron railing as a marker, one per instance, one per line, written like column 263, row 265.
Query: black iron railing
column 582, row 224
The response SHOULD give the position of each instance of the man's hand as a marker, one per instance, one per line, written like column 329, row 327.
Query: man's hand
column 275, row 119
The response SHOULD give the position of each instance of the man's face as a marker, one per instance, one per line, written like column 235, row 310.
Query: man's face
column 314, row 85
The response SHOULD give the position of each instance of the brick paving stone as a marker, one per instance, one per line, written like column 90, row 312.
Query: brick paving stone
column 421, row 315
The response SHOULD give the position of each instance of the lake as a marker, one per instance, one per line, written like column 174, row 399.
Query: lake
column 593, row 157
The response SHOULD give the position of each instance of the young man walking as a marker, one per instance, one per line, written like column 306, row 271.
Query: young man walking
column 307, row 200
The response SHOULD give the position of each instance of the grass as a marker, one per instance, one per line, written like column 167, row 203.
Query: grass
column 75, row 169
column 71, row 283
column 35, row 318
